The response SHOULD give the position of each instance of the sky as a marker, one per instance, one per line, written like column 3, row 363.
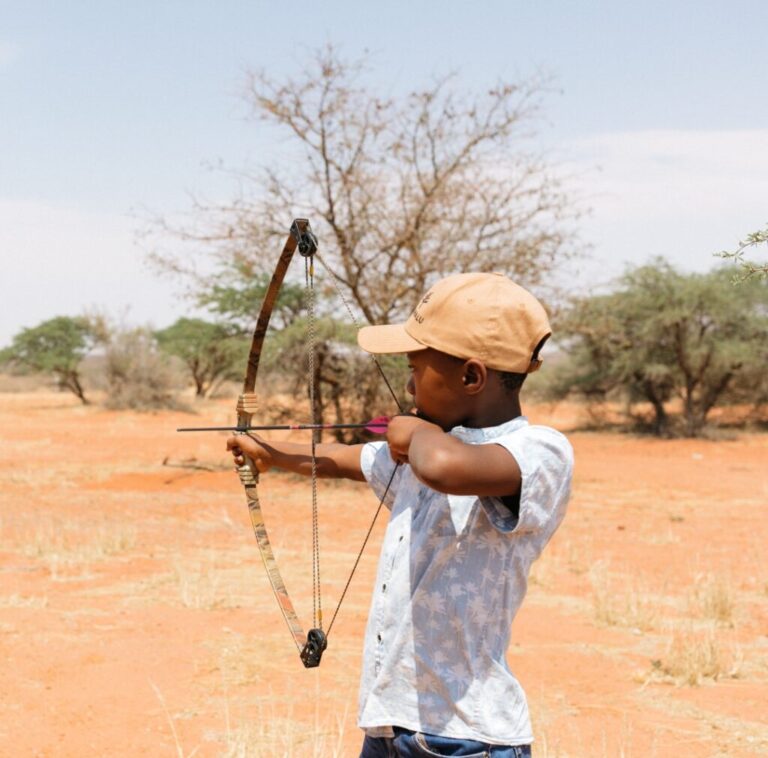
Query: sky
column 111, row 112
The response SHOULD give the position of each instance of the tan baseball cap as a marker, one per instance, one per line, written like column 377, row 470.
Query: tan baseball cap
column 483, row 316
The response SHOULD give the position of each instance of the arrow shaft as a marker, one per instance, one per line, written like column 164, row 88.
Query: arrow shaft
column 281, row 427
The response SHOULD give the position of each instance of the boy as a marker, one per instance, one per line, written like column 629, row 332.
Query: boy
column 477, row 492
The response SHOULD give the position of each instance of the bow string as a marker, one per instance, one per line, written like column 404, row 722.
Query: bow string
column 312, row 644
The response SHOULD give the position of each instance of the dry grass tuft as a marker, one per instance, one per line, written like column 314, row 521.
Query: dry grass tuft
column 666, row 536
column 272, row 730
column 22, row 601
column 693, row 656
column 713, row 598
column 180, row 752
column 199, row 584
column 61, row 544
column 579, row 556
column 632, row 606
column 206, row 584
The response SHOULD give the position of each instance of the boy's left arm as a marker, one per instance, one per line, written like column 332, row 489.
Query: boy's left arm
column 448, row 465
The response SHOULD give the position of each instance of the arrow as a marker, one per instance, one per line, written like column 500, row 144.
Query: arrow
column 376, row 425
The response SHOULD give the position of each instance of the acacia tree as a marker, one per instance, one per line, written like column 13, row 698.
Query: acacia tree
column 664, row 335
column 400, row 190
column 56, row 346
column 211, row 353
column 749, row 267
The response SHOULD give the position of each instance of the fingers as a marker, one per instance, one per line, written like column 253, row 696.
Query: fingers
column 233, row 446
column 245, row 446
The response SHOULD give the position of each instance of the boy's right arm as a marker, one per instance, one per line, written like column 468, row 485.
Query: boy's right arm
column 333, row 460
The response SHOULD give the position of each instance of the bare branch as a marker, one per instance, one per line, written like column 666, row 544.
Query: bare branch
column 400, row 191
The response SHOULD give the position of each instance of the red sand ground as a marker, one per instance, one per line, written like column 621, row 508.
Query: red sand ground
column 136, row 618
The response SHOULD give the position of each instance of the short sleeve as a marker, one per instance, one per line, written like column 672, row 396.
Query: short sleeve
column 379, row 470
column 545, row 458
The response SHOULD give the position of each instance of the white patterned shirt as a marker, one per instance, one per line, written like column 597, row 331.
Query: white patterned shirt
column 452, row 574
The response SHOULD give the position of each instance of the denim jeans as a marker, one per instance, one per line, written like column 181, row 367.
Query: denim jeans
column 407, row 744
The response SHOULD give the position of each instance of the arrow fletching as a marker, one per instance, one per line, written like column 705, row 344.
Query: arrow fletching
column 378, row 425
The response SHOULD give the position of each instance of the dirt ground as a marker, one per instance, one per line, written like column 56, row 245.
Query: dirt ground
column 136, row 617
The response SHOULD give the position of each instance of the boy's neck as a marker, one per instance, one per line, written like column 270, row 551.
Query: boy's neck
column 494, row 413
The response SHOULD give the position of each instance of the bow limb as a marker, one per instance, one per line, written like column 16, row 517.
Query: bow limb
column 300, row 236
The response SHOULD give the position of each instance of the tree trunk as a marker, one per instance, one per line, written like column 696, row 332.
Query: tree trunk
column 694, row 422
column 71, row 381
column 696, row 412
column 661, row 419
column 317, row 409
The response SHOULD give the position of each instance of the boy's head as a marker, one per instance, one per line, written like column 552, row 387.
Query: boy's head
column 482, row 316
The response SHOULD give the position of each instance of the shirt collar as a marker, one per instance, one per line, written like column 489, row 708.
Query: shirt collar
column 472, row 435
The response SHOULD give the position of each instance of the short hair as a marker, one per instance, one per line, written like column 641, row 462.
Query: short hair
column 513, row 381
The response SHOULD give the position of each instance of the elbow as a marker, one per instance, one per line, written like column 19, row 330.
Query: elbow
column 436, row 468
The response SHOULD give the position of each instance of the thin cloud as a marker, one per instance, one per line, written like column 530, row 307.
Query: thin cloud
column 683, row 195
column 62, row 261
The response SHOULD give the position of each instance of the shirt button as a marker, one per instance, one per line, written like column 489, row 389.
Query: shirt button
column 378, row 637
column 401, row 538
column 383, row 587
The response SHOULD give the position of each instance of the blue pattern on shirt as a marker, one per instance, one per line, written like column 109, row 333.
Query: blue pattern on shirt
column 452, row 574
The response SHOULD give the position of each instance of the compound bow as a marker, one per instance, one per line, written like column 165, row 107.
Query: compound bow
column 312, row 644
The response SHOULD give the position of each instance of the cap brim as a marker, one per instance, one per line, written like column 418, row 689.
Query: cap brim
column 387, row 338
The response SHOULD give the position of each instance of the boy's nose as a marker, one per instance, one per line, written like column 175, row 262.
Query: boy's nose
column 410, row 387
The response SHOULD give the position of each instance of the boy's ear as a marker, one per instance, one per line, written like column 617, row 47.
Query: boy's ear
column 475, row 375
